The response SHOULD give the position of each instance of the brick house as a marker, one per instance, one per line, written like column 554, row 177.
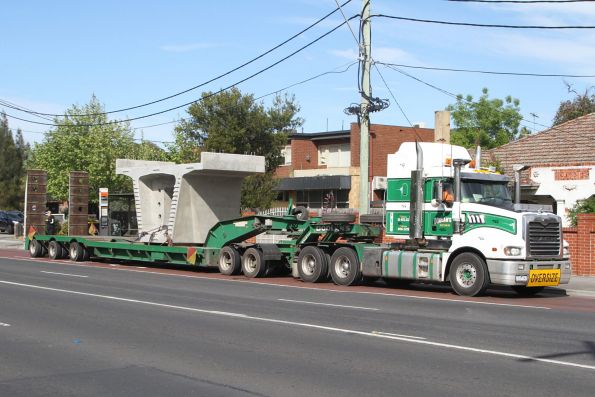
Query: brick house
column 323, row 168
column 561, row 163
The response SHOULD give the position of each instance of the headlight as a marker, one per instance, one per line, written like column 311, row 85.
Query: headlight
column 512, row 251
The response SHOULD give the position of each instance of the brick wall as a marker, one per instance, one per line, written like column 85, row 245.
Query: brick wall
column 582, row 245
column 385, row 139
column 304, row 154
column 571, row 174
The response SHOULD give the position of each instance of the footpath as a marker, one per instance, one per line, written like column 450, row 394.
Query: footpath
column 578, row 286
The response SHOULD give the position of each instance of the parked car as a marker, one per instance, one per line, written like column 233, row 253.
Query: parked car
column 7, row 220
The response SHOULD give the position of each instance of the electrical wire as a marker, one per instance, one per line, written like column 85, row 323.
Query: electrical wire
column 523, row 1
column 463, row 98
column 204, row 96
column 488, row 71
column 479, row 25
column 211, row 80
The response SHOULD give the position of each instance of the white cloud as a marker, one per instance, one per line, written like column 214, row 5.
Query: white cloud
column 188, row 47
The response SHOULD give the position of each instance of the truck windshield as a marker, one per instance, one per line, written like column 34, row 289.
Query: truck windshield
column 491, row 193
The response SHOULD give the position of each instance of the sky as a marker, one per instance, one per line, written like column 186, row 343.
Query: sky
column 127, row 53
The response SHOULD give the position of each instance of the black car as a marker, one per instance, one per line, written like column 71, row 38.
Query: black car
column 7, row 219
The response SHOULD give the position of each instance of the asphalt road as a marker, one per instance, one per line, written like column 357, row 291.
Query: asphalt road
column 103, row 330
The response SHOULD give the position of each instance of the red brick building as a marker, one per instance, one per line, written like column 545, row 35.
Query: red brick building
column 323, row 168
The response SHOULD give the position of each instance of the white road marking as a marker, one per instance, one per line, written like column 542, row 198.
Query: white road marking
column 328, row 304
column 313, row 326
column 398, row 335
column 4, row 325
column 117, row 267
column 63, row 274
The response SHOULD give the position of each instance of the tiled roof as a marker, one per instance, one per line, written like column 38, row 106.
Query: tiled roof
column 570, row 143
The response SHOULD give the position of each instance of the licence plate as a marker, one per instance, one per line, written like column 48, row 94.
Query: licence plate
column 541, row 278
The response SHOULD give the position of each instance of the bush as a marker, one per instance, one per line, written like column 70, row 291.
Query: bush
column 581, row 207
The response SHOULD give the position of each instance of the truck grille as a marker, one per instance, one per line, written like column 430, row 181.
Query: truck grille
column 544, row 237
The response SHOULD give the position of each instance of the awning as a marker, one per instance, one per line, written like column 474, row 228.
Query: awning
column 324, row 182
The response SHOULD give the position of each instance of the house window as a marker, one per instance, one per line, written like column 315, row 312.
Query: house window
column 286, row 153
column 338, row 155
column 323, row 198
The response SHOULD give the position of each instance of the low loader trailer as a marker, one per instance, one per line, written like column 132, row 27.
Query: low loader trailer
column 447, row 222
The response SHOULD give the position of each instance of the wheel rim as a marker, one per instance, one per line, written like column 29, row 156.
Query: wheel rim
column 32, row 247
column 308, row 264
column 342, row 267
column 250, row 263
column 72, row 251
column 52, row 250
column 225, row 261
column 466, row 275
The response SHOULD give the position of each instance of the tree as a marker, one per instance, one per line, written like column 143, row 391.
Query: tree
column 232, row 122
column 581, row 207
column 13, row 153
column 488, row 122
column 581, row 105
column 84, row 140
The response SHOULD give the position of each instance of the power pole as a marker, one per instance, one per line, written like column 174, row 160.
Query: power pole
column 364, row 127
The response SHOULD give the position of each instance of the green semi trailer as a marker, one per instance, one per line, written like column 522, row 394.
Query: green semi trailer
column 312, row 243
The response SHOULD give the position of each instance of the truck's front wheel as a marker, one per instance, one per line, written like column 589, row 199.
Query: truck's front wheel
column 345, row 269
column 469, row 275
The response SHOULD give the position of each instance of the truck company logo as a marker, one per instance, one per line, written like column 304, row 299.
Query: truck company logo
column 442, row 220
column 476, row 218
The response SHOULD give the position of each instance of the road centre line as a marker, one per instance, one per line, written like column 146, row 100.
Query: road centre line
column 398, row 335
column 63, row 274
column 120, row 268
column 328, row 304
column 519, row 357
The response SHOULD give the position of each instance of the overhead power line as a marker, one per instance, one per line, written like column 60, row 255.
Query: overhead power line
column 459, row 96
column 523, row 1
column 479, row 25
column 199, row 99
column 488, row 71
column 208, row 81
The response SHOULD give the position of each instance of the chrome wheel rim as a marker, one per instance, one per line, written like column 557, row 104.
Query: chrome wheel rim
column 342, row 267
column 308, row 264
column 250, row 263
column 225, row 261
column 466, row 275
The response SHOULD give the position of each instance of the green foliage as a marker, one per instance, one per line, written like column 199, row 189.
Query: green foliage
column 85, row 140
column 581, row 207
column 13, row 154
column 487, row 122
column 581, row 105
column 232, row 122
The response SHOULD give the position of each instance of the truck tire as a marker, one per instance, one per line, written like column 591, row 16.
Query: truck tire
column 469, row 274
column 345, row 267
column 253, row 263
column 76, row 252
column 338, row 218
column 230, row 261
column 35, row 249
column 526, row 291
column 312, row 264
column 371, row 218
column 301, row 213
column 54, row 250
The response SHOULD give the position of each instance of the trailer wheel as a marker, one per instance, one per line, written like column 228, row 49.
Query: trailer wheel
column 345, row 269
column 469, row 275
column 253, row 263
column 77, row 252
column 35, row 249
column 526, row 291
column 55, row 250
column 312, row 264
column 230, row 261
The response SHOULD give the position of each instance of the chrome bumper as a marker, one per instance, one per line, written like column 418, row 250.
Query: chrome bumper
column 505, row 272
